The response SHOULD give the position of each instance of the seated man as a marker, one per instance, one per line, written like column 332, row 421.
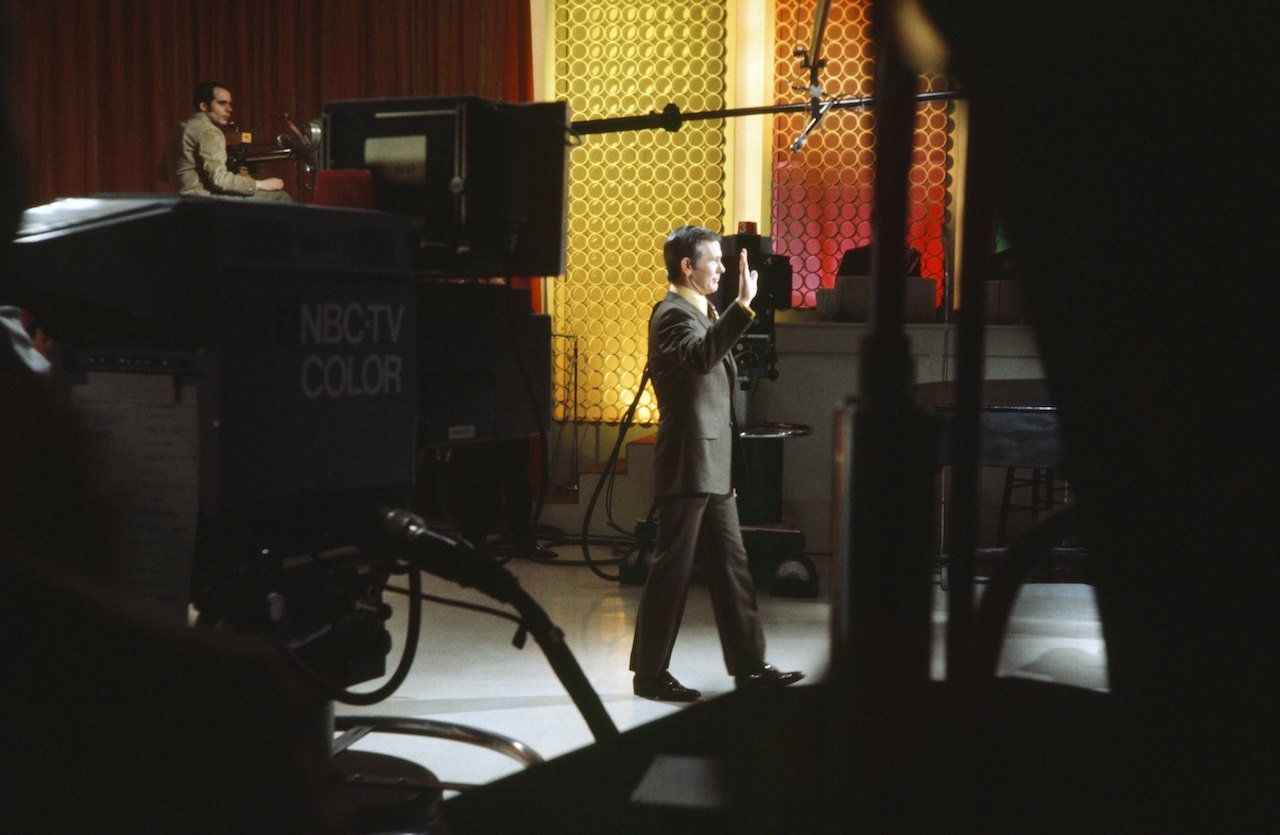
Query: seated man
column 195, row 158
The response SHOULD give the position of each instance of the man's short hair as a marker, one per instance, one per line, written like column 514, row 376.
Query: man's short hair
column 204, row 92
column 685, row 242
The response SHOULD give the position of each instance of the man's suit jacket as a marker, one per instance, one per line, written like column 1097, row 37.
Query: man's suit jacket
column 694, row 377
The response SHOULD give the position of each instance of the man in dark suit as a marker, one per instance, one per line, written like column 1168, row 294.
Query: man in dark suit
column 694, row 473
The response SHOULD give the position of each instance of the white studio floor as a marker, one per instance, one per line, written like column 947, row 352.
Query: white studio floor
column 467, row 672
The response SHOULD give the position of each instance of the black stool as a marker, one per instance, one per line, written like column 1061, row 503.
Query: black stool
column 1047, row 491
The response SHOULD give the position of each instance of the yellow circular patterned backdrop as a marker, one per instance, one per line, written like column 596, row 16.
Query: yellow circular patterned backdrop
column 822, row 196
column 629, row 189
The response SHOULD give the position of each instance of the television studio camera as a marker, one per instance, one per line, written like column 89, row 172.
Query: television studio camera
column 260, row 379
column 756, row 352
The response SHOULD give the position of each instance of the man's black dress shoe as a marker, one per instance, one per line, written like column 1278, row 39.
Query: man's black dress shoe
column 768, row 676
column 664, row 688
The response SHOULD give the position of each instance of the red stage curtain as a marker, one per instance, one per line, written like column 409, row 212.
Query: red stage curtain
column 101, row 83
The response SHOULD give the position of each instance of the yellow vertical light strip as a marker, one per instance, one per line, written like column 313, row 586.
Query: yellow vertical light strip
column 960, row 156
column 542, row 35
column 749, row 83
column 733, row 28
column 762, row 56
column 542, row 26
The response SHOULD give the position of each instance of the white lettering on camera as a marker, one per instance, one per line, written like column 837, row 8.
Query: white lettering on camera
column 347, row 371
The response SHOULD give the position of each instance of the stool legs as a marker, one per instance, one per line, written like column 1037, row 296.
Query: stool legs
column 1044, row 493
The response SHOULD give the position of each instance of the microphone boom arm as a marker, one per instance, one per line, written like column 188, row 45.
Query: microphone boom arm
column 671, row 119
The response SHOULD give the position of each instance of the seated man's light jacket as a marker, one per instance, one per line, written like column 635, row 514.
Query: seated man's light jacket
column 196, row 159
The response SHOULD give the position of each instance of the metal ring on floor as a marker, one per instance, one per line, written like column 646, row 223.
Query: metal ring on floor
column 356, row 727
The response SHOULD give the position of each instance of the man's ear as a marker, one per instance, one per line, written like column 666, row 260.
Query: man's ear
column 204, row 106
column 686, row 266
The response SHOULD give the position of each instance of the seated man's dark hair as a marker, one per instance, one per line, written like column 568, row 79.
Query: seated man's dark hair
column 204, row 92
